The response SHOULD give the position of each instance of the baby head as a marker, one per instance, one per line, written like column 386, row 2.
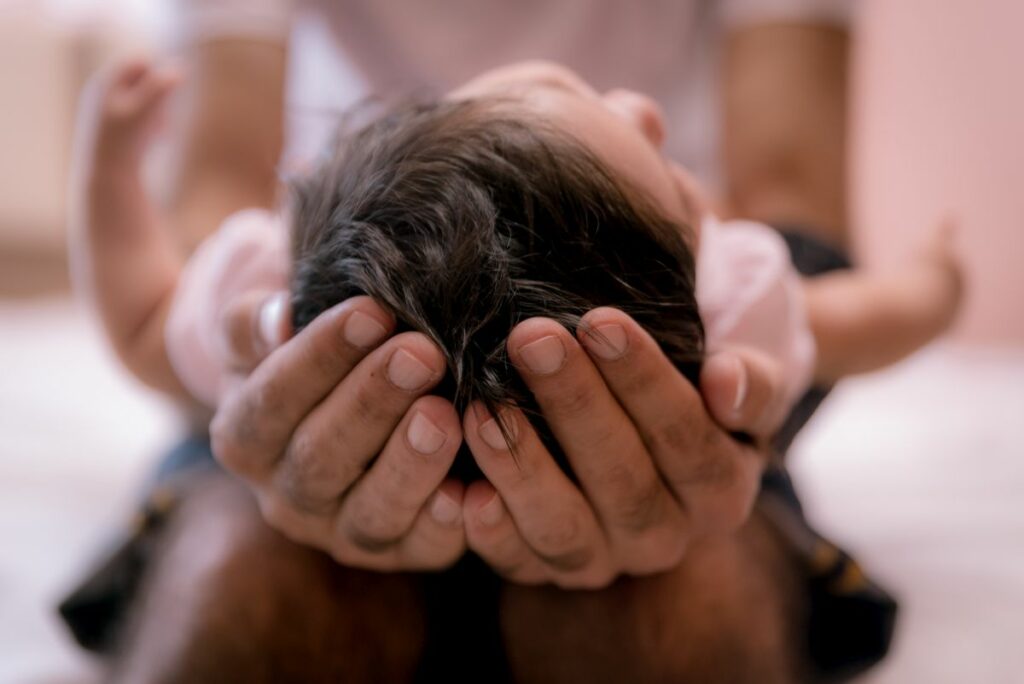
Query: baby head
column 517, row 196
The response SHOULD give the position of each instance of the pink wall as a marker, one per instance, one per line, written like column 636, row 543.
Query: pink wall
column 939, row 130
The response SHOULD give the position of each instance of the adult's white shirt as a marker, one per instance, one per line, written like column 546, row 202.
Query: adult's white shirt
column 667, row 49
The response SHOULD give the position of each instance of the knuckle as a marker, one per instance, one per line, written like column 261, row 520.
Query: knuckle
column 262, row 400
column 558, row 535
column 558, row 545
column 306, row 478
column 674, row 437
column 370, row 528
column 399, row 476
column 400, row 479
column 369, row 542
column 704, row 457
column 227, row 442
column 371, row 405
column 301, row 457
column 573, row 399
column 639, row 380
column 707, row 470
column 236, row 427
column 329, row 351
column 325, row 351
column 638, row 504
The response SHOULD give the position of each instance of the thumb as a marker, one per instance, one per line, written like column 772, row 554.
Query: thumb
column 251, row 327
column 743, row 391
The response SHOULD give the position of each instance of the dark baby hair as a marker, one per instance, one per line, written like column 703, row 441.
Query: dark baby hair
column 465, row 218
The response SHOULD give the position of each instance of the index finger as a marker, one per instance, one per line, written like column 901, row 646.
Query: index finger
column 256, row 419
column 743, row 390
column 715, row 477
column 252, row 325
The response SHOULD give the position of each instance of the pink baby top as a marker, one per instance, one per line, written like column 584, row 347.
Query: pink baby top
column 747, row 290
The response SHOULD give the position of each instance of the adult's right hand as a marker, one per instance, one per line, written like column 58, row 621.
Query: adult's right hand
column 332, row 432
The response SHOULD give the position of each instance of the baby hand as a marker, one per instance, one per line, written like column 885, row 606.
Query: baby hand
column 122, row 109
column 941, row 259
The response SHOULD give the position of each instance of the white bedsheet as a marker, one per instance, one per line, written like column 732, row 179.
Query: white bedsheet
column 918, row 471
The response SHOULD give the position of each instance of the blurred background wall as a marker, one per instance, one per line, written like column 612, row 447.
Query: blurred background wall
column 48, row 48
column 939, row 131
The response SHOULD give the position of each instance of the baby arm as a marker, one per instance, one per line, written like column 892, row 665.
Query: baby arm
column 863, row 321
column 121, row 257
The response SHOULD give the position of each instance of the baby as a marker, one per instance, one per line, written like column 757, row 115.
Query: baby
column 523, row 193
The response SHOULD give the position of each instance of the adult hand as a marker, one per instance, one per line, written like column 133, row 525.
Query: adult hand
column 655, row 469
column 332, row 432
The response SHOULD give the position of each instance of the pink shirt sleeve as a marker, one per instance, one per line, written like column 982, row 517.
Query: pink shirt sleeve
column 749, row 294
column 247, row 254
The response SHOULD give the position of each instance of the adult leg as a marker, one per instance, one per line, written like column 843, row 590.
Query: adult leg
column 732, row 612
column 229, row 599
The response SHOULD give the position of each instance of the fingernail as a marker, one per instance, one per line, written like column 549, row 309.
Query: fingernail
column 607, row 341
column 491, row 433
column 544, row 356
column 491, row 512
column 407, row 372
column 741, row 386
column 270, row 321
column 424, row 436
column 445, row 509
column 363, row 331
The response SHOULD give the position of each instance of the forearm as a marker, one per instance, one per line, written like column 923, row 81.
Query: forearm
column 128, row 268
column 784, row 126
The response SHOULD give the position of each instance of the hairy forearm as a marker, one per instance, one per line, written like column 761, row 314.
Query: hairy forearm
column 784, row 125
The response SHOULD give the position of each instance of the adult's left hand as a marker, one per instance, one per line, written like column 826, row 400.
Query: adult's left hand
column 656, row 465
